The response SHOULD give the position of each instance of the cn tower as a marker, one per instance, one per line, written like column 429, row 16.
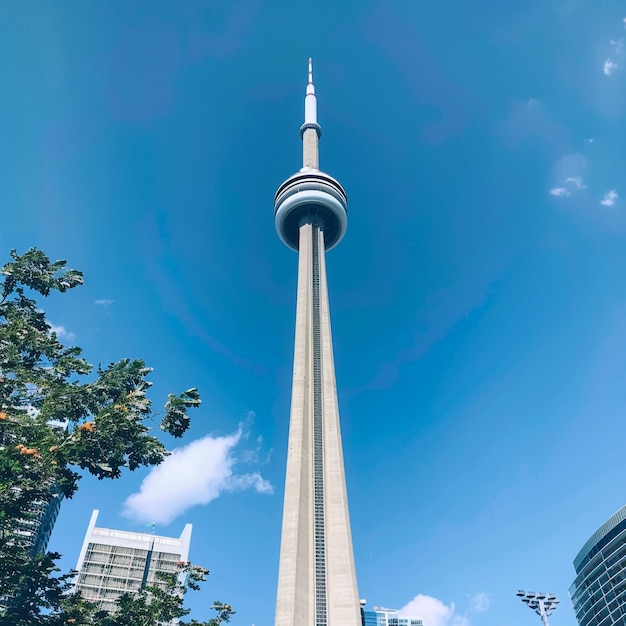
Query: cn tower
column 316, row 577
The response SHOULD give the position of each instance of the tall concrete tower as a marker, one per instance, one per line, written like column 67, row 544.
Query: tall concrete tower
column 316, row 578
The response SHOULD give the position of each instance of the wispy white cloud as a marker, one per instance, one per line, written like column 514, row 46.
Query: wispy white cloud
column 577, row 181
column 104, row 302
column 609, row 67
column 609, row 198
column 571, row 165
column 569, row 171
column 530, row 120
column 618, row 45
column 573, row 184
column 480, row 602
column 249, row 481
column 559, row 192
column 433, row 612
column 193, row 474
column 62, row 332
column 256, row 455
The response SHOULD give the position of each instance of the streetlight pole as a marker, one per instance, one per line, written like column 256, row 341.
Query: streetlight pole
column 541, row 603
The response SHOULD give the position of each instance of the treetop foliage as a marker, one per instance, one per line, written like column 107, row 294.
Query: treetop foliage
column 57, row 415
column 46, row 404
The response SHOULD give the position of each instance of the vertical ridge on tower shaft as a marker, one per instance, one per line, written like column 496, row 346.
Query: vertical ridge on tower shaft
column 317, row 577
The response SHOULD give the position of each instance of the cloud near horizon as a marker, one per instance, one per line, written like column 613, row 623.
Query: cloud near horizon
column 434, row 612
column 193, row 474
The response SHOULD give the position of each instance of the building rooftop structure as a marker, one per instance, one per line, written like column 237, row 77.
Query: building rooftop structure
column 380, row 616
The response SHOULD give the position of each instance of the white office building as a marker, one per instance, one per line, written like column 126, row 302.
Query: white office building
column 112, row 562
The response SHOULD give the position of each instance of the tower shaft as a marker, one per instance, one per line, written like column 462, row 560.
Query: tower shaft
column 310, row 153
column 317, row 579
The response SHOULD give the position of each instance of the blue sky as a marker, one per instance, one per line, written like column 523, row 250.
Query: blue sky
column 478, row 299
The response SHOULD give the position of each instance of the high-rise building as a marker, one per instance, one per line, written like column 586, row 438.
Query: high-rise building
column 380, row 616
column 32, row 534
column 316, row 579
column 35, row 529
column 599, row 589
column 112, row 562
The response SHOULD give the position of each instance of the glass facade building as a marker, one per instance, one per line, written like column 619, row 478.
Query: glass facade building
column 34, row 530
column 599, row 590
column 380, row 616
column 37, row 527
column 113, row 562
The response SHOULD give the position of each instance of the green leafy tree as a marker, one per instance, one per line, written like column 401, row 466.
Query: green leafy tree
column 162, row 602
column 57, row 415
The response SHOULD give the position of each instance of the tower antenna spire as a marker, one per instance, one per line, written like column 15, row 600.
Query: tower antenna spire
column 310, row 101
column 310, row 130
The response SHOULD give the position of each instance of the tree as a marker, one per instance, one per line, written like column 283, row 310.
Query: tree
column 162, row 602
column 57, row 415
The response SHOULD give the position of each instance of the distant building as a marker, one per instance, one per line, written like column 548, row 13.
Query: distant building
column 33, row 532
column 380, row 616
column 599, row 590
column 36, row 528
column 112, row 562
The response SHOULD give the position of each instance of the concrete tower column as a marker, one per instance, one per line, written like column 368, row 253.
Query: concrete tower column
column 317, row 578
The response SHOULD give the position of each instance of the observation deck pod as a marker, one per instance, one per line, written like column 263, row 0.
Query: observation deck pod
column 311, row 196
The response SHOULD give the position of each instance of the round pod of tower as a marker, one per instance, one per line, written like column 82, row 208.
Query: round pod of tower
column 310, row 196
column 315, row 197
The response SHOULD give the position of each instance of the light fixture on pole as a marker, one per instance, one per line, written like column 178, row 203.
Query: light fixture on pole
column 541, row 603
